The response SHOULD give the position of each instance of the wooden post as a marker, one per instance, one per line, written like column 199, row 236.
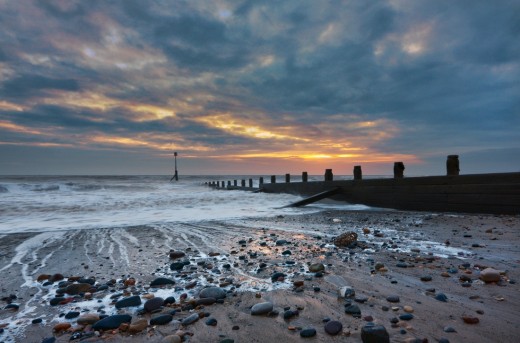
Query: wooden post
column 250, row 183
column 452, row 165
column 229, row 183
column 328, row 175
column 235, row 183
column 260, row 182
column 273, row 178
column 398, row 170
column 357, row 173
column 305, row 177
column 287, row 178
column 243, row 183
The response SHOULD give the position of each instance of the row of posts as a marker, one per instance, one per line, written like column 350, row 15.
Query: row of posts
column 452, row 169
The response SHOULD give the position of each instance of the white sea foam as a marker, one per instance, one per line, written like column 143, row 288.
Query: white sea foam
column 37, row 204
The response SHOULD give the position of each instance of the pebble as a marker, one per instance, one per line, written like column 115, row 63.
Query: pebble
column 346, row 292
column 426, row 278
column 179, row 265
column 191, row 319
column 153, row 304
column 56, row 301
column 289, row 314
column 353, row 310
column 393, row 298
column 308, row 332
column 261, row 308
column 470, row 320
column 87, row 319
column 77, row 288
column 406, row 316
column 206, row 301
column 211, row 322
column 172, row 339
column 49, row 340
column 441, row 297
column 138, row 326
column 490, row 275
column 408, row 309
column 162, row 281
column 37, row 321
column 60, row 327
column 71, row 315
column 278, row 276
column 449, row 329
column 164, row 319
column 131, row 301
column 213, row 292
column 176, row 254
column 374, row 334
column 316, row 267
column 345, row 239
column 112, row 322
column 169, row 300
column 333, row 327
column 379, row 266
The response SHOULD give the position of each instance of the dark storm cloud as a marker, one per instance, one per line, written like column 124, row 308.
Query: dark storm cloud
column 442, row 74
column 28, row 85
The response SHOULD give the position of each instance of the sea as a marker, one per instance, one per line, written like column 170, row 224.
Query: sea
column 49, row 220
column 54, row 203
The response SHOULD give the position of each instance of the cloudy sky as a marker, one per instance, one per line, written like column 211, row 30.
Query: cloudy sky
column 258, row 87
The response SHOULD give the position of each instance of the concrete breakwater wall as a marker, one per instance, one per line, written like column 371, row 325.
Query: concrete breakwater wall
column 496, row 193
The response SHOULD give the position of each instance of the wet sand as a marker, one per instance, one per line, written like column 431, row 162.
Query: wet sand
column 394, row 251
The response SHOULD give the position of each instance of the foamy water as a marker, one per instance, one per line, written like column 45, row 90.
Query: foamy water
column 36, row 204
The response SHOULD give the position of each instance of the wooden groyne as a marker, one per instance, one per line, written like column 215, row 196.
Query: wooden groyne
column 495, row 193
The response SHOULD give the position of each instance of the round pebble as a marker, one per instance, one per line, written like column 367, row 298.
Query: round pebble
column 393, row 298
column 333, row 327
column 262, row 308
column 309, row 332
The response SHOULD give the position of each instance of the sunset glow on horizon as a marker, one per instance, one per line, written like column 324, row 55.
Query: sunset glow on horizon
column 238, row 87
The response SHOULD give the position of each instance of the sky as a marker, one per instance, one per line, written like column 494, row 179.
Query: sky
column 258, row 87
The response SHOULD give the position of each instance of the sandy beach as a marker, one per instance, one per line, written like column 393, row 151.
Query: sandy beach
column 419, row 275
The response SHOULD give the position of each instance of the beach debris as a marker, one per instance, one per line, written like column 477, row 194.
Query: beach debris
column 346, row 239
